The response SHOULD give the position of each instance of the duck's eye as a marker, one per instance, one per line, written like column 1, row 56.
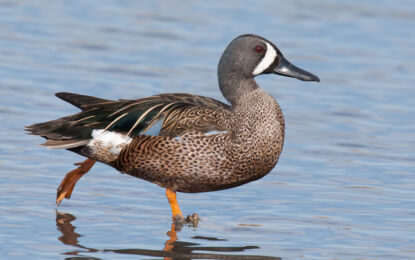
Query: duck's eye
column 259, row 49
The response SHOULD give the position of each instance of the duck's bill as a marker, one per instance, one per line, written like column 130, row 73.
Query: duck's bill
column 285, row 68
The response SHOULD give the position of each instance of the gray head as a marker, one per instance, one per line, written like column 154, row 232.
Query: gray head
column 248, row 56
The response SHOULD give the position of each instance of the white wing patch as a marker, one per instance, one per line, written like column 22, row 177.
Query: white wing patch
column 108, row 142
column 215, row 132
column 267, row 60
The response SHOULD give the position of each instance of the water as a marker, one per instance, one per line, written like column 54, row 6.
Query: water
column 344, row 187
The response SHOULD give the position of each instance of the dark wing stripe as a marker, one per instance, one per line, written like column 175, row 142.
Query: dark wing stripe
column 115, row 121
column 80, row 120
column 142, row 116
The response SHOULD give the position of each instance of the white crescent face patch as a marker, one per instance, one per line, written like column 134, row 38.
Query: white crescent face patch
column 267, row 60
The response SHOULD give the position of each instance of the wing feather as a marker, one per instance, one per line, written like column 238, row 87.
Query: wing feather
column 178, row 112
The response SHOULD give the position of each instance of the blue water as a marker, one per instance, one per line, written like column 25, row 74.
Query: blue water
column 344, row 187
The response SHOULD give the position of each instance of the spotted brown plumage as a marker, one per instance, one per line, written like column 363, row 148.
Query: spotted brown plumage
column 211, row 162
column 183, row 142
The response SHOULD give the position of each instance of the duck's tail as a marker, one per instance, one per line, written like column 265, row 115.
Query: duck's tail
column 63, row 133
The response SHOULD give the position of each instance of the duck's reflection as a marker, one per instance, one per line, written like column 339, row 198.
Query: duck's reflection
column 173, row 249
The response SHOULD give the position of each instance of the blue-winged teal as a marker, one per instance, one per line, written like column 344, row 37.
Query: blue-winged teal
column 197, row 143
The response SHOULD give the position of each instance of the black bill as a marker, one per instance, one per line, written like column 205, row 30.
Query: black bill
column 285, row 68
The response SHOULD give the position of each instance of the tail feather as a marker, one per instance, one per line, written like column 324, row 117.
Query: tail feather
column 81, row 101
column 62, row 132
column 64, row 144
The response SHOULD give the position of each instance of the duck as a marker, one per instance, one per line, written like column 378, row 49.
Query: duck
column 183, row 142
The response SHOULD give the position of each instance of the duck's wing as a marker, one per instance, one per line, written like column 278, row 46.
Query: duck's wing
column 164, row 115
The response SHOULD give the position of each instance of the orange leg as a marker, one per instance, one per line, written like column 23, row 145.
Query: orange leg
column 171, row 196
column 68, row 183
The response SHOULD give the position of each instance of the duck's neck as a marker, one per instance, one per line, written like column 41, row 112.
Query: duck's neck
column 233, row 86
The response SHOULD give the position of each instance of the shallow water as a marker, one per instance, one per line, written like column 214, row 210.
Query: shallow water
column 344, row 187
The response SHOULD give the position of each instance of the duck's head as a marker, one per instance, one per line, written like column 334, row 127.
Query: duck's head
column 248, row 56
